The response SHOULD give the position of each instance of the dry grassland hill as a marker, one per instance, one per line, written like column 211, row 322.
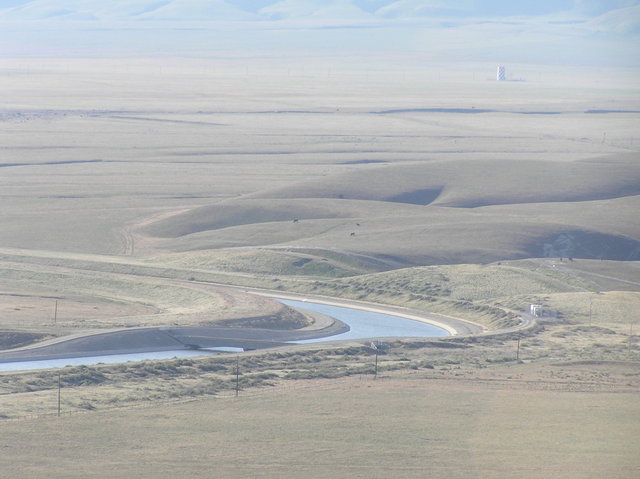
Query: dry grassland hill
column 438, row 212
column 93, row 147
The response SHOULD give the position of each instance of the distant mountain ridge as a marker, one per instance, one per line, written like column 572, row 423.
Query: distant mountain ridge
column 246, row 10
column 571, row 32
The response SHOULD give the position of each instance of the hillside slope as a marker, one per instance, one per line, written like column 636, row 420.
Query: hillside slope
column 434, row 213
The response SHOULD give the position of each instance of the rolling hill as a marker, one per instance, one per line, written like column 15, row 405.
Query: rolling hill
column 433, row 213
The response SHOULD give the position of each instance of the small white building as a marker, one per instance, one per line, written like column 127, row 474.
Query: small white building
column 535, row 310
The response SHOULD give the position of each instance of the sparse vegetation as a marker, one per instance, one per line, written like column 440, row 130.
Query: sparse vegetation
column 126, row 213
column 15, row 339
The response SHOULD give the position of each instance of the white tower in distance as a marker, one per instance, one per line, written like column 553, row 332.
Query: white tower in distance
column 501, row 75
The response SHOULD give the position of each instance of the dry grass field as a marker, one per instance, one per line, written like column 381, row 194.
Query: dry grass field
column 402, row 426
column 119, row 142
column 129, row 186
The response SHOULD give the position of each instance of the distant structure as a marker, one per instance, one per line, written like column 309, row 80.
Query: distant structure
column 501, row 74
column 535, row 310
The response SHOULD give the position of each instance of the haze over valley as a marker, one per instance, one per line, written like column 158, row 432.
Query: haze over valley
column 170, row 171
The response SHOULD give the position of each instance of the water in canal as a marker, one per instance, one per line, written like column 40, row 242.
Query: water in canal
column 363, row 324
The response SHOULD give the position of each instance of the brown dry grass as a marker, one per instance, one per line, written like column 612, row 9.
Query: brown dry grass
column 580, row 212
column 400, row 426
column 28, row 310
column 89, row 156
column 116, row 143
column 94, row 299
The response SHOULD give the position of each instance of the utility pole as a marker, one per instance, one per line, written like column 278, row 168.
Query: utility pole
column 518, row 351
column 237, row 375
column 59, row 387
column 590, row 310
column 375, row 371
column 55, row 313
column 374, row 346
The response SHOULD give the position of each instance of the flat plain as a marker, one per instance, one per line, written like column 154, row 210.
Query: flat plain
column 131, row 189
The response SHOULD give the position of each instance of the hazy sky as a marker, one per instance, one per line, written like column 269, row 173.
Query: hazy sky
column 592, row 32
column 288, row 9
